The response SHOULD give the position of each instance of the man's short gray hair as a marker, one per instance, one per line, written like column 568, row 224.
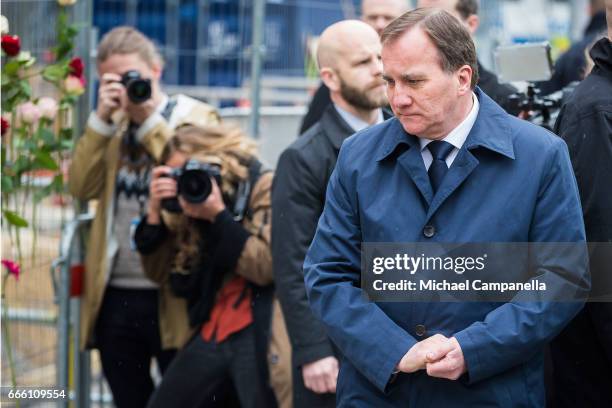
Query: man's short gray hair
column 453, row 41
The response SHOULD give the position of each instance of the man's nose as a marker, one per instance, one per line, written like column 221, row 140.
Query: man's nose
column 380, row 24
column 401, row 98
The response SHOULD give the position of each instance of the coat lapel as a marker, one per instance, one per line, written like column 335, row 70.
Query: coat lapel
column 462, row 167
column 412, row 162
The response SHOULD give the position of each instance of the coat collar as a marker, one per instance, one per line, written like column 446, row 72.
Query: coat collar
column 336, row 129
column 490, row 131
column 601, row 54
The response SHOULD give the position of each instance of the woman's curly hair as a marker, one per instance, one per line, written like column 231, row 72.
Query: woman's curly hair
column 223, row 145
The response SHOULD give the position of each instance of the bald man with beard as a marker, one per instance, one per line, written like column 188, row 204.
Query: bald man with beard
column 377, row 14
column 350, row 66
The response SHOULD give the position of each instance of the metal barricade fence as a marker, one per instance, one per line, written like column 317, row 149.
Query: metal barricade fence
column 73, row 365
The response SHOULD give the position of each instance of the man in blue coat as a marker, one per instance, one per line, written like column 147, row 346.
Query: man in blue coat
column 453, row 167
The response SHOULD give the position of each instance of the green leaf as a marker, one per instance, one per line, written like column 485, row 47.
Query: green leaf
column 66, row 134
column 14, row 219
column 12, row 67
column 22, row 164
column 8, row 93
column 56, row 186
column 26, row 89
column 55, row 72
column 45, row 161
column 66, row 145
column 72, row 31
column 47, row 136
column 69, row 100
column 7, row 184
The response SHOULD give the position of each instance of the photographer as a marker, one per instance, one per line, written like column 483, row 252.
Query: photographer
column 129, row 318
column 212, row 245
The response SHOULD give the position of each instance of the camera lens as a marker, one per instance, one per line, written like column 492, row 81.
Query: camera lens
column 139, row 90
column 194, row 186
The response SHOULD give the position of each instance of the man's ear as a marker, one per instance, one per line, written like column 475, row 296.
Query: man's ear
column 330, row 78
column 464, row 77
column 472, row 23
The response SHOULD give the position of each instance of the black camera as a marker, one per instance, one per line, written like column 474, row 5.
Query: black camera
column 138, row 88
column 193, row 183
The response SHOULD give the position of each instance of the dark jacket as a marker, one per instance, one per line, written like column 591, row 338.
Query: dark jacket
column 298, row 196
column 571, row 65
column 319, row 103
column 582, row 354
column 497, row 91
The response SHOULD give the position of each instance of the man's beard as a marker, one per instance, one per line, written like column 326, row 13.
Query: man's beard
column 361, row 99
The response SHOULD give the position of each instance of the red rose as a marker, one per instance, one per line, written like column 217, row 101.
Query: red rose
column 11, row 45
column 12, row 268
column 5, row 126
column 76, row 67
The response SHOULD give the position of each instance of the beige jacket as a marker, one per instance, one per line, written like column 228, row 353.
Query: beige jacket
column 92, row 177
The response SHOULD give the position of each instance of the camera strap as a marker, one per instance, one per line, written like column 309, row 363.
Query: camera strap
column 167, row 112
column 245, row 188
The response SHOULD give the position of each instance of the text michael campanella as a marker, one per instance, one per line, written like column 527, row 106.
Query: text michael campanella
column 457, row 265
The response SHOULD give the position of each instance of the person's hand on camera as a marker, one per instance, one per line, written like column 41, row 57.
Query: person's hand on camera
column 209, row 208
column 138, row 113
column 111, row 96
column 321, row 376
column 161, row 187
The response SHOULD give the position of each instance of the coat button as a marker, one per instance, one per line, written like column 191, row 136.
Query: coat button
column 420, row 330
column 429, row 231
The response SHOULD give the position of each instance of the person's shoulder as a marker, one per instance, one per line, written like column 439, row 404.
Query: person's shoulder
column 532, row 138
column 494, row 122
column 304, row 149
column 366, row 144
column 191, row 111
column 592, row 95
column 307, row 141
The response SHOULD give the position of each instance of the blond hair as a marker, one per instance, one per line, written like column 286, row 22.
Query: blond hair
column 128, row 40
column 224, row 145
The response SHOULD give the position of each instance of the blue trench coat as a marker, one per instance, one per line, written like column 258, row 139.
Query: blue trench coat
column 511, row 182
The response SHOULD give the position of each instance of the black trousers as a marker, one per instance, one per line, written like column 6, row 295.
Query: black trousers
column 127, row 335
column 201, row 369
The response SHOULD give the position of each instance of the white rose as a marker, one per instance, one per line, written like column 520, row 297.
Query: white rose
column 4, row 25
column 29, row 112
column 48, row 107
column 66, row 2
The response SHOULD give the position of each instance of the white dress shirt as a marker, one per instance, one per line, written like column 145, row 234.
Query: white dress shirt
column 456, row 137
column 355, row 122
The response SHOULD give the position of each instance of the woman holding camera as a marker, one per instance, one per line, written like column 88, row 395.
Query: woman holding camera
column 215, row 253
